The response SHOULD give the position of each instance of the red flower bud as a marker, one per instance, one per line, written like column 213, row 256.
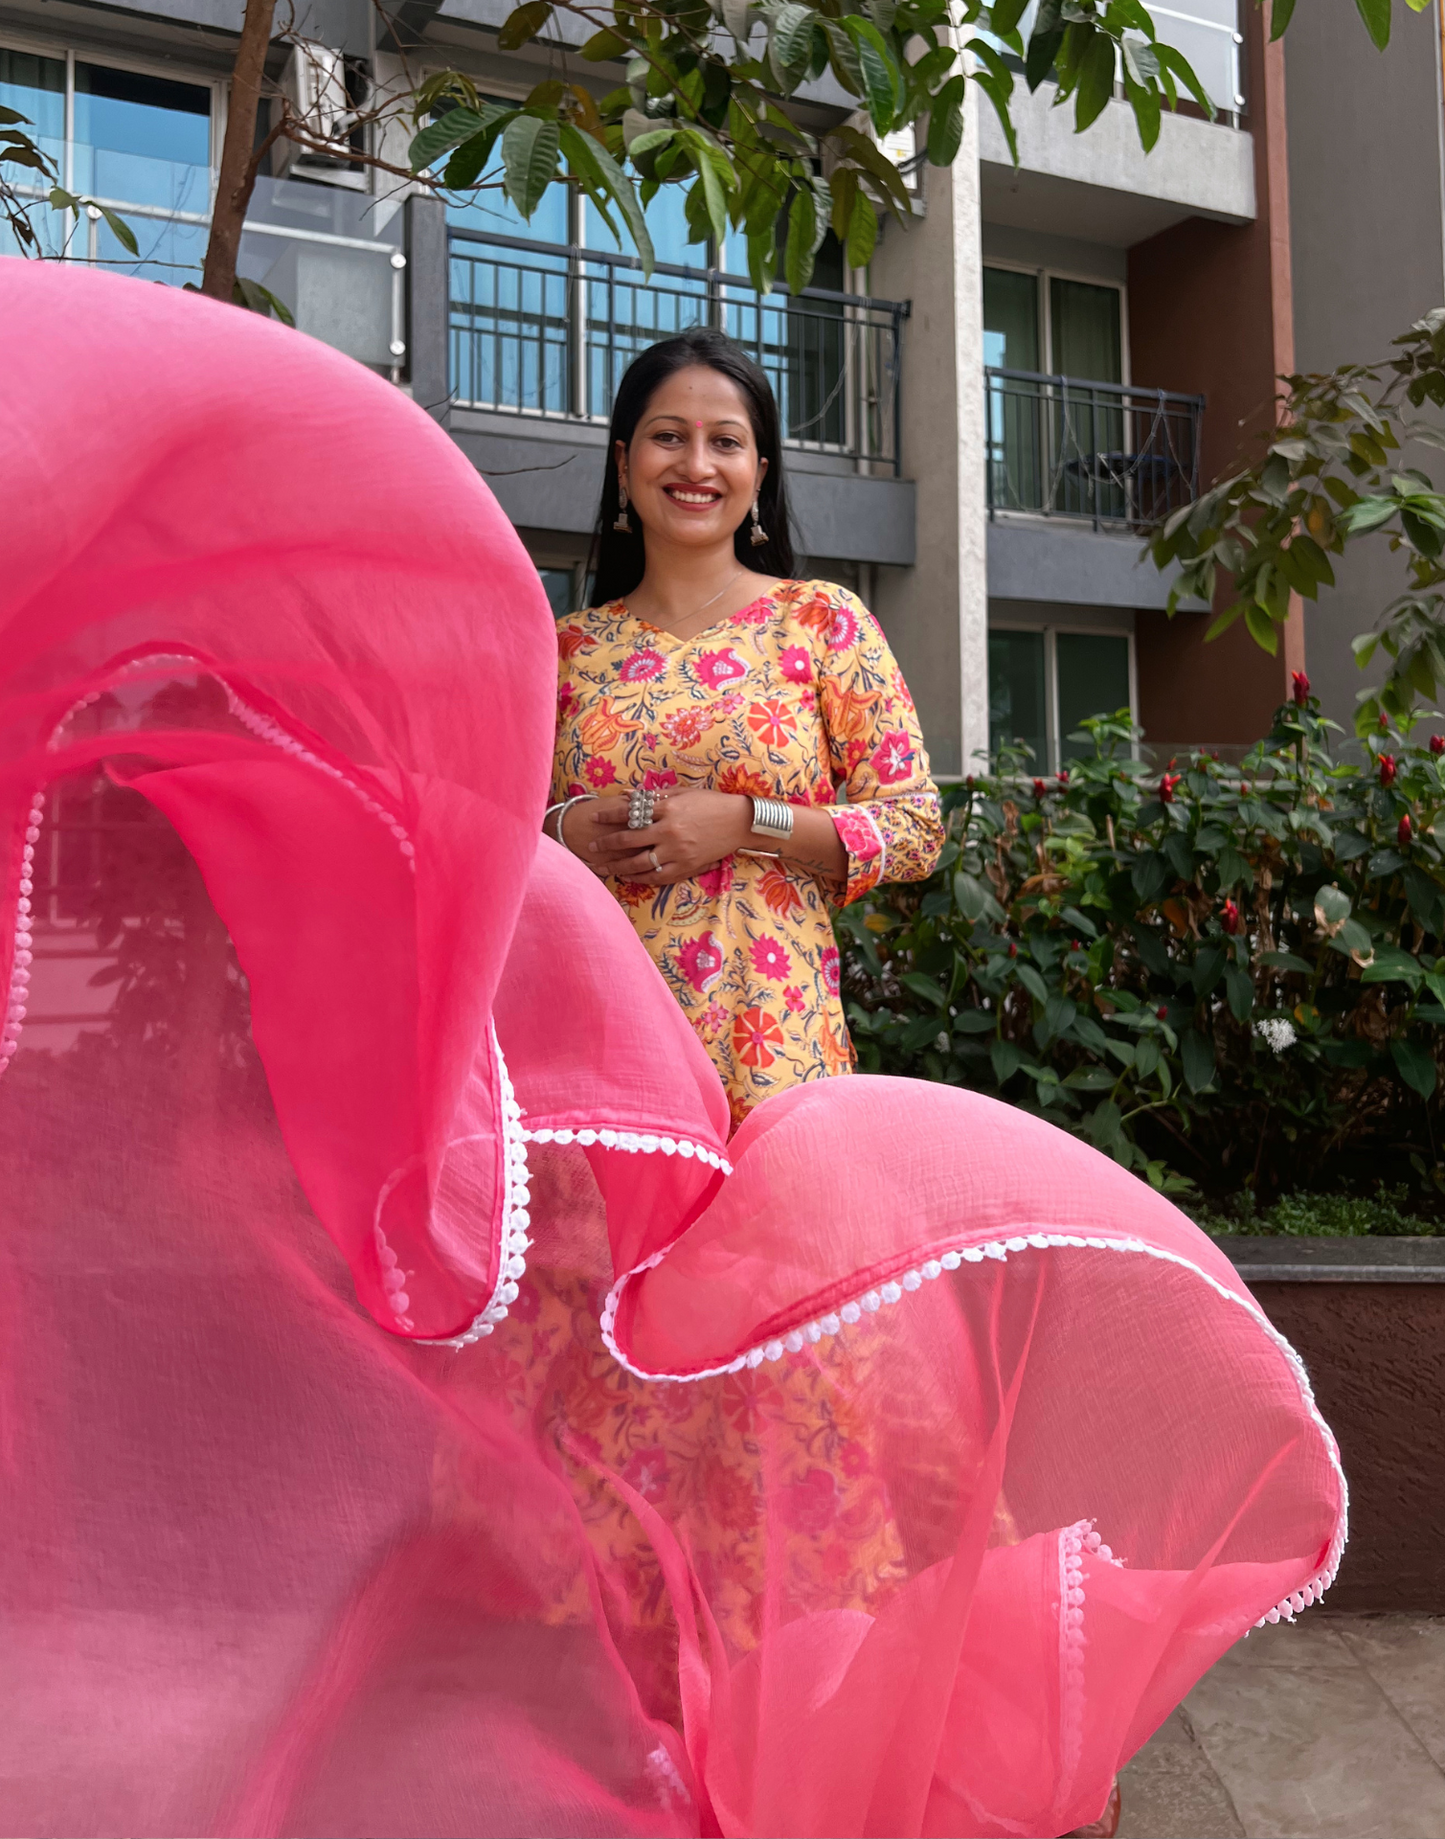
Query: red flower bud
column 1013, row 950
column 1299, row 688
column 1229, row 916
column 1039, row 788
column 1437, row 743
column 1384, row 722
column 1167, row 783
column 1402, row 832
column 1387, row 769
column 1064, row 776
column 1161, row 1013
column 969, row 782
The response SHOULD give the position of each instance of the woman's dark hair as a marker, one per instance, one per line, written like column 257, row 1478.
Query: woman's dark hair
column 618, row 558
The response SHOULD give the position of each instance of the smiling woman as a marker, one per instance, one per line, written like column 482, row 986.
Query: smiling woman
column 741, row 704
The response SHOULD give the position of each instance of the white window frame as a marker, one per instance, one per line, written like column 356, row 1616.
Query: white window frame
column 67, row 53
column 1052, row 630
column 1044, row 276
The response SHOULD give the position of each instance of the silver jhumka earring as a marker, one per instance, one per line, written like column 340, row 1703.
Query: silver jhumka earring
column 759, row 536
column 622, row 522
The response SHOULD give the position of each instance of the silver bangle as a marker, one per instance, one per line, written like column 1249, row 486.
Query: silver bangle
column 772, row 817
column 562, row 807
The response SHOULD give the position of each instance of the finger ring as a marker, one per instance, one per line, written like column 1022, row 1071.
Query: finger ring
column 656, row 865
column 640, row 808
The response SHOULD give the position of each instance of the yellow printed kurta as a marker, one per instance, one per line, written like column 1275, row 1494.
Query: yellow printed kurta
column 797, row 697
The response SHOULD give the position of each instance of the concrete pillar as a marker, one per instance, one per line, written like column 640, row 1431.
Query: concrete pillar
column 936, row 613
column 428, row 294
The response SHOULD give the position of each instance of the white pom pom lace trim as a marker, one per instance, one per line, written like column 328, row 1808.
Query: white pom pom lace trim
column 930, row 1269
column 262, row 726
column 516, row 1196
column 635, row 1142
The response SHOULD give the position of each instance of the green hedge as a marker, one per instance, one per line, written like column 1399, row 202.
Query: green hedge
column 1230, row 978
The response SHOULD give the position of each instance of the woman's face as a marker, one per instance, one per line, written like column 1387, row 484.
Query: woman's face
column 693, row 470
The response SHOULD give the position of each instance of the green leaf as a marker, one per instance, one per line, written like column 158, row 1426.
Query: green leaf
column 1197, row 1056
column 1332, row 908
column 970, row 893
column 1032, row 982
column 1059, row 1012
column 258, row 299
column 715, row 177
column 924, row 987
column 1087, row 1032
column 470, row 159
column 9, row 115
column 975, row 1021
column 1286, row 961
column 1416, row 1066
column 862, row 236
column 1172, row 62
column 790, row 42
column 945, row 122
column 881, row 83
column 529, row 156
column 1208, row 968
column 1391, row 965
column 125, row 236
column 1044, row 42
column 1146, row 1057
column 1262, row 629
column 1239, row 991
column 1376, row 15
column 439, row 137
column 605, row 47
column 523, row 24
column 1148, row 876
column 1006, row 1058
column 1096, row 81
column 805, row 234
column 867, row 154
column 1104, row 1124
column 1279, row 17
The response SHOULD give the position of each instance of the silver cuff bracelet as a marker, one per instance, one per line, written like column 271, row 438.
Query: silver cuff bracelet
column 772, row 817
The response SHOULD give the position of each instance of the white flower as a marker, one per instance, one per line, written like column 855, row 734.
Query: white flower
column 1277, row 1033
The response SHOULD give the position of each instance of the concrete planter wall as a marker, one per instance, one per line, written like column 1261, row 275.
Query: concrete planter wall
column 1368, row 1318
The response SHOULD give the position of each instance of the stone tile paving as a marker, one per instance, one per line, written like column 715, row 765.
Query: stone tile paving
column 1332, row 1727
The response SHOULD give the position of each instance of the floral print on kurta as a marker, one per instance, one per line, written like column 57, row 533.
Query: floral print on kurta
column 798, row 697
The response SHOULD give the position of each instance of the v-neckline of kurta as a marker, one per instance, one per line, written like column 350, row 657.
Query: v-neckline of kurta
column 718, row 625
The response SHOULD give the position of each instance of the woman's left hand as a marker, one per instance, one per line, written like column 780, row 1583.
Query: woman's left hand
column 690, row 833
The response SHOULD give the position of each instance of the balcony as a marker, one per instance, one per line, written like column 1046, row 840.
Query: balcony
column 1106, row 454
column 545, row 330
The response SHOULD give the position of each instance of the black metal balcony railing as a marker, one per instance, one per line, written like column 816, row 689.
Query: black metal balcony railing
column 1102, row 451
column 547, row 329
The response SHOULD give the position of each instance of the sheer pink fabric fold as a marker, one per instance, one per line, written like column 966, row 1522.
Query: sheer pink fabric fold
column 416, row 1415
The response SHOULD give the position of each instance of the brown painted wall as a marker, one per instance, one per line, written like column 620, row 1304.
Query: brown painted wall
column 1376, row 1356
column 1211, row 312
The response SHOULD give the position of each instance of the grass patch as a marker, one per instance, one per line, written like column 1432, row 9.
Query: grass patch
column 1385, row 1214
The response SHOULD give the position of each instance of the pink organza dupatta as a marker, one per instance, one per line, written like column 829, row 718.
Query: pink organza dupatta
column 417, row 1415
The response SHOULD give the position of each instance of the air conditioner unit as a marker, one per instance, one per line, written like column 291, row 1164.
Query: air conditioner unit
column 314, row 84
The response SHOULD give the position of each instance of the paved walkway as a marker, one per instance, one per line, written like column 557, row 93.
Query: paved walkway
column 1332, row 1727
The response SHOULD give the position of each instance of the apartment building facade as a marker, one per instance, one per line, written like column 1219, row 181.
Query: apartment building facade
column 1050, row 355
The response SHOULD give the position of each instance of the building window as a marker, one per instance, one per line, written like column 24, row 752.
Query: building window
column 1042, row 683
column 141, row 144
column 560, row 585
column 1076, row 327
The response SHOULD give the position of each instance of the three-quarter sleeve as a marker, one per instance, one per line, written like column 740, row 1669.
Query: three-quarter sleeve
column 891, row 825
